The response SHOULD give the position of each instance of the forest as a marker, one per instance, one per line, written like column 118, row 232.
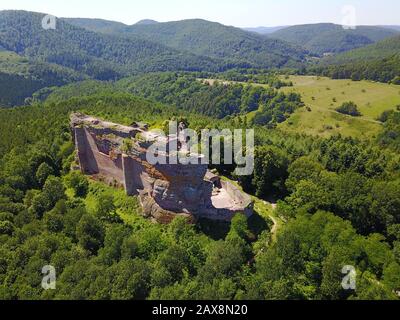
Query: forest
column 339, row 198
column 321, row 201
column 377, row 62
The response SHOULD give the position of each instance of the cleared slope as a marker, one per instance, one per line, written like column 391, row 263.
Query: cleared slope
column 324, row 95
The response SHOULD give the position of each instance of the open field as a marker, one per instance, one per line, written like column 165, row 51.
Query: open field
column 324, row 95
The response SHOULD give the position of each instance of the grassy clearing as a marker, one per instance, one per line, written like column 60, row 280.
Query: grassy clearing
column 128, row 208
column 324, row 95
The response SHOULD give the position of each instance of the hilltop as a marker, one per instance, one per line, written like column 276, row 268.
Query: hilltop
column 21, row 77
column 330, row 38
column 214, row 40
column 104, row 57
column 378, row 62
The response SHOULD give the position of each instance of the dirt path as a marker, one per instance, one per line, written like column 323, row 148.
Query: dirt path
column 345, row 115
column 264, row 209
column 274, row 220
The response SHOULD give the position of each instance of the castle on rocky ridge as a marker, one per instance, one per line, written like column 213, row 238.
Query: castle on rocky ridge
column 116, row 154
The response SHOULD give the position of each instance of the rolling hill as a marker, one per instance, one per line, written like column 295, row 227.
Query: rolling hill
column 97, row 55
column 146, row 22
column 327, row 38
column 265, row 30
column 97, row 25
column 21, row 77
column 214, row 40
column 322, row 96
column 383, row 49
column 378, row 62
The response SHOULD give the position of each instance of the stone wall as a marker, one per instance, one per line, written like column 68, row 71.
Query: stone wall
column 165, row 191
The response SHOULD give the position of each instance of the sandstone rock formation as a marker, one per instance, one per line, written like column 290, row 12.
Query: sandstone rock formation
column 116, row 154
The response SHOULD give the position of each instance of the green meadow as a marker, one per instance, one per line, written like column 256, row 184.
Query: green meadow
column 323, row 95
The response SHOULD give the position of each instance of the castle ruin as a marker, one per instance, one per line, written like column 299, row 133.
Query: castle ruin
column 116, row 154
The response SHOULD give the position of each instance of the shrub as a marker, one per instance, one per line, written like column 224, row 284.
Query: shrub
column 349, row 108
column 43, row 172
column 396, row 80
column 6, row 227
column 385, row 115
column 78, row 182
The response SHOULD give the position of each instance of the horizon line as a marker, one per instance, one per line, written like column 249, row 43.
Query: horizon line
column 186, row 19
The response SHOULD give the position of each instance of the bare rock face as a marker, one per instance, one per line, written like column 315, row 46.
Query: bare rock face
column 151, row 209
column 116, row 154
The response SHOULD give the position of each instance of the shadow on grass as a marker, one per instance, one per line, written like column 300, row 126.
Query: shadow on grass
column 257, row 225
column 218, row 230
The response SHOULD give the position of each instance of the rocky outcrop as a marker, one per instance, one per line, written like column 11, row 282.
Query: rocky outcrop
column 117, row 154
column 151, row 209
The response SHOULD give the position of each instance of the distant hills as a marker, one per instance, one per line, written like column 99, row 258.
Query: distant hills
column 265, row 30
column 78, row 49
column 81, row 48
column 214, row 40
column 397, row 28
column 20, row 77
column 146, row 22
column 378, row 62
column 100, row 56
column 327, row 38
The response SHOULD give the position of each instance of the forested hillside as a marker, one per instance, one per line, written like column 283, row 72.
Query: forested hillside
column 378, row 62
column 97, row 25
column 204, row 38
column 338, row 194
column 100, row 56
column 324, row 197
column 20, row 77
column 383, row 49
column 189, row 93
column 331, row 38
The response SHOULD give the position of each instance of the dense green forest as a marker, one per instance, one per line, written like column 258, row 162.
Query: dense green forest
column 189, row 93
column 377, row 62
column 214, row 40
column 339, row 197
column 385, row 70
column 330, row 38
column 20, row 78
column 100, row 56
column 320, row 203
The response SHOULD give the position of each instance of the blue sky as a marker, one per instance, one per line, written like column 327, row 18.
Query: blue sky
column 241, row 13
